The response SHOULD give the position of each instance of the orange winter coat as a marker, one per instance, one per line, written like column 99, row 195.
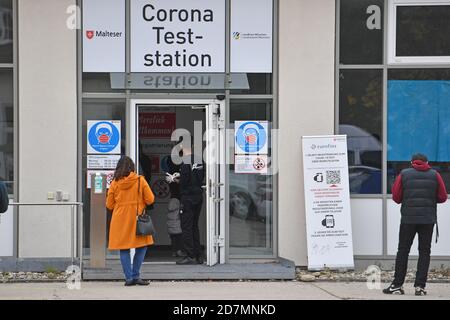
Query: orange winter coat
column 122, row 200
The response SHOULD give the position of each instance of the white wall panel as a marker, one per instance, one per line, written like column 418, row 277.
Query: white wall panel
column 306, row 107
column 367, row 226
column 7, row 233
column 442, row 248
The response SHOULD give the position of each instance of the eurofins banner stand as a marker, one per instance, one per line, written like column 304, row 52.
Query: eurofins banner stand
column 327, row 202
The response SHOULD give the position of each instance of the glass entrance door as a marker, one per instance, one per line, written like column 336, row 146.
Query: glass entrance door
column 157, row 131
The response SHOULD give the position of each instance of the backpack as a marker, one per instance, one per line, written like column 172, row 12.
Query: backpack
column 4, row 200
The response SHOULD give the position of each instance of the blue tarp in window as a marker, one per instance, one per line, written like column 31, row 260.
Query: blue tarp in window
column 418, row 119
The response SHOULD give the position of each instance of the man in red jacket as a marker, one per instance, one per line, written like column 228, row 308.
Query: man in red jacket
column 419, row 189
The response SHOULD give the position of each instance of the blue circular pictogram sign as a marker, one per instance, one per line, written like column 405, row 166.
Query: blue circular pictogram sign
column 251, row 137
column 104, row 137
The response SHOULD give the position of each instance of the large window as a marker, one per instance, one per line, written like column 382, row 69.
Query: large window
column 422, row 31
column 6, row 95
column 98, row 109
column 361, row 91
column 361, row 35
column 418, row 119
column 6, row 31
column 251, row 194
column 418, row 31
column 407, row 84
column 360, row 101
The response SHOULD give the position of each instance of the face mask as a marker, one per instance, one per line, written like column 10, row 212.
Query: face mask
column 251, row 136
column 103, row 138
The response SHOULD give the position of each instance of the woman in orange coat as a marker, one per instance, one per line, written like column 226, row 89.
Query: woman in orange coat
column 125, row 200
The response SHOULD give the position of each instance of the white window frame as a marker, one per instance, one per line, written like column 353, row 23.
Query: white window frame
column 392, row 33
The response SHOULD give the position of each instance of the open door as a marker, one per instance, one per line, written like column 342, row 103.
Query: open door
column 214, row 158
column 215, row 186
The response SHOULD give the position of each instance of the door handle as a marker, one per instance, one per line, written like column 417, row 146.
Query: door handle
column 210, row 188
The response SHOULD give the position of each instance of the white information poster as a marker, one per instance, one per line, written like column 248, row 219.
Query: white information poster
column 178, row 36
column 327, row 202
column 103, row 137
column 251, row 36
column 250, row 164
column 103, row 161
column 103, row 35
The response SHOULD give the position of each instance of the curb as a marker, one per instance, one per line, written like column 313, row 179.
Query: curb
column 34, row 281
column 443, row 281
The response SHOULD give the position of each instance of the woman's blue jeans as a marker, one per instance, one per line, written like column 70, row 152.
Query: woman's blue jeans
column 132, row 272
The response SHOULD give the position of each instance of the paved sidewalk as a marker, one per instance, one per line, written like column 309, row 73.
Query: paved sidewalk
column 288, row 290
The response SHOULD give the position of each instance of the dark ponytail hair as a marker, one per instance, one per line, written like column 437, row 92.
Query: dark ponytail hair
column 124, row 167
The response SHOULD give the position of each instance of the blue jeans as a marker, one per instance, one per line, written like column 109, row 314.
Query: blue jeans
column 132, row 272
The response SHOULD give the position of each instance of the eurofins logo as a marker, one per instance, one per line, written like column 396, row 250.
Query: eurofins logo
column 236, row 35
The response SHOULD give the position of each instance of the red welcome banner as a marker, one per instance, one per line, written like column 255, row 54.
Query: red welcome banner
column 156, row 124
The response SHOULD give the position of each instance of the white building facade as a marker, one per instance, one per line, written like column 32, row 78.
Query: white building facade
column 302, row 67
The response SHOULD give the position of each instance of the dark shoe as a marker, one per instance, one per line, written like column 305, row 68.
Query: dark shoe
column 420, row 291
column 181, row 254
column 199, row 260
column 141, row 282
column 187, row 260
column 393, row 289
column 129, row 283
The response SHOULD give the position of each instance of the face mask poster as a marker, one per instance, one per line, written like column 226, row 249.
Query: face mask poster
column 103, row 148
column 327, row 202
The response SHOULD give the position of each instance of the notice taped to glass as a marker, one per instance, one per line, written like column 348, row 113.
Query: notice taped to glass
column 327, row 202
column 101, row 161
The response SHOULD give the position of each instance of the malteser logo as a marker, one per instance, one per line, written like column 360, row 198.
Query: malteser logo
column 90, row 34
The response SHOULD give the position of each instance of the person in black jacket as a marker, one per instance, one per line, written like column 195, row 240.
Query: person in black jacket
column 191, row 197
column 4, row 200
column 146, row 164
column 418, row 189
column 174, row 208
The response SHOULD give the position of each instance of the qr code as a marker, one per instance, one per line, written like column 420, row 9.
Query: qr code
column 333, row 177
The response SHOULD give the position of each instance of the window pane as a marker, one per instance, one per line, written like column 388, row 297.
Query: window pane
column 102, row 82
column 7, row 128
column 418, row 119
column 6, row 31
column 258, row 83
column 361, row 34
column 98, row 110
column 423, row 31
column 360, row 118
column 251, row 195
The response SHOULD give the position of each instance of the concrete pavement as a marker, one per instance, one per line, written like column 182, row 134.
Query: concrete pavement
column 268, row 290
